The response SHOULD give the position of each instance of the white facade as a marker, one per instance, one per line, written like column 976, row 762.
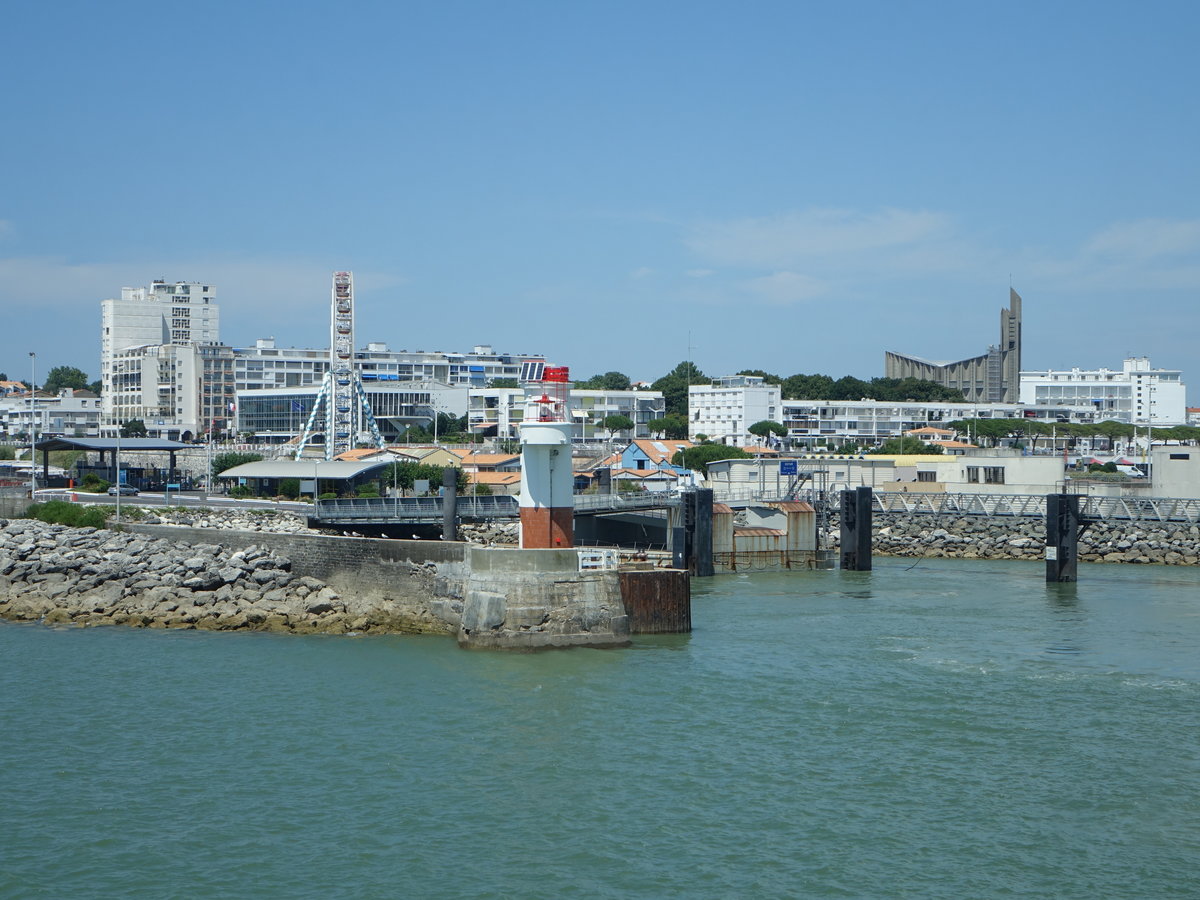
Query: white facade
column 724, row 409
column 63, row 414
column 498, row 412
column 178, row 391
column 180, row 314
column 267, row 366
column 817, row 423
column 1175, row 471
column 1137, row 394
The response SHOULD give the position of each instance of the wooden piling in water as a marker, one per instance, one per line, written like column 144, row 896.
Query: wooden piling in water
column 657, row 601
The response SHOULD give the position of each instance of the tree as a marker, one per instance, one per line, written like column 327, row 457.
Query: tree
column 617, row 422
column 223, row 461
column 697, row 458
column 1111, row 430
column 404, row 475
column 674, row 387
column 766, row 427
column 808, row 387
column 505, row 383
column 674, row 428
column 609, row 381
column 767, row 377
column 135, row 428
column 908, row 445
column 65, row 377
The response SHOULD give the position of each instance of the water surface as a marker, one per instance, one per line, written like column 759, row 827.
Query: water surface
column 940, row 729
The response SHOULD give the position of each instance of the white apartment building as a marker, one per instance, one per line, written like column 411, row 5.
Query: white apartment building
column 497, row 412
column 68, row 413
column 1137, row 394
column 178, row 391
column 831, row 423
column 183, row 314
column 266, row 366
column 724, row 409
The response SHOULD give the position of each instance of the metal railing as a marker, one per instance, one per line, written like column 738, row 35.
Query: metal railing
column 1135, row 509
column 595, row 560
column 413, row 509
column 628, row 501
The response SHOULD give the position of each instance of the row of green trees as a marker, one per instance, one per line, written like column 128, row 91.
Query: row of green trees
column 64, row 377
column 989, row 432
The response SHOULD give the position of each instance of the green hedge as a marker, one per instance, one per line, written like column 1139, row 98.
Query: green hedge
column 60, row 512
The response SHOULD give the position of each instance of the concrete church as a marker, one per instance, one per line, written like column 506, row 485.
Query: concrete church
column 991, row 377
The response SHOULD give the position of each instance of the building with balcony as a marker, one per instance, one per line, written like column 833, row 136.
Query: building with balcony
column 1136, row 394
column 68, row 414
column 497, row 412
column 183, row 314
column 833, row 423
column 723, row 410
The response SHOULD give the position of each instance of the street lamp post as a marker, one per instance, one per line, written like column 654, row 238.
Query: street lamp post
column 32, row 424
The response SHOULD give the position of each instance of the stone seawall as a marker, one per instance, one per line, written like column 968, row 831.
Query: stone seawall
column 163, row 577
column 410, row 586
column 1024, row 537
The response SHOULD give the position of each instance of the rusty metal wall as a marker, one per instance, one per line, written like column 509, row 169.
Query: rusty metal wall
column 658, row 601
column 772, row 560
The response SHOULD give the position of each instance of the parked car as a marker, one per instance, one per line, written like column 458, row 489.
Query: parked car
column 124, row 490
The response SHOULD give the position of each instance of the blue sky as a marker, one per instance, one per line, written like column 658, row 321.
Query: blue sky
column 788, row 186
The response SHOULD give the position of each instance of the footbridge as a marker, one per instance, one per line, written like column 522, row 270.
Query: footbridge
column 1093, row 508
column 428, row 510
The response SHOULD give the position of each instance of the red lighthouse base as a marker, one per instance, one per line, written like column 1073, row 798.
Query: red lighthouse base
column 547, row 527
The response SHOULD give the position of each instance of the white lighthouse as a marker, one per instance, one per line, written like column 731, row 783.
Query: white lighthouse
column 547, row 478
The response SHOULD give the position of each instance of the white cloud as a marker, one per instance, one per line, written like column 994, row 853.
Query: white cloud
column 1146, row 239
column 1126, row 257
column 784, row 288
column 287, row 299
column 790, row 239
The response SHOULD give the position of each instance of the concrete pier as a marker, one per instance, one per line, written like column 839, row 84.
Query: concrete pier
column 538, row 599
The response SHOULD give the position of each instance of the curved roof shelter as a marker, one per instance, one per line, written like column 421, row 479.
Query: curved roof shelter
column 326, row 470
column 108, row 445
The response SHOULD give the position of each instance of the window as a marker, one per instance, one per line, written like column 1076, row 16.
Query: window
column 972, row 474
column 993, row 474
column 927, row 476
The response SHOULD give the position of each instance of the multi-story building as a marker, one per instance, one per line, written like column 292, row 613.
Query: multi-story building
column 497, row 412
column 991, row 377
column 265, row 365
column 68, row 413
column 179, row 391
column 183, row 314
column 277, row 415
column 832, row 423
column 723, row 410
column 1137, row 394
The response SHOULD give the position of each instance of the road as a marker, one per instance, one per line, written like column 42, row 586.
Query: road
column 186, row 498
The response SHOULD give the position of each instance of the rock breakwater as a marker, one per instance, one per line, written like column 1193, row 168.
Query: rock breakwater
column 84, row 576
column 1024, row 537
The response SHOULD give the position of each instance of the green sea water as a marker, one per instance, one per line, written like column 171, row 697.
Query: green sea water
column 946, row 729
